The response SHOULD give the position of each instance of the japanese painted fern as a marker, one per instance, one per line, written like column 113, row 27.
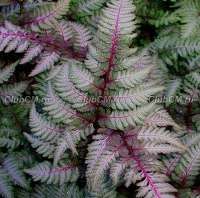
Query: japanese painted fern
column 105, row 105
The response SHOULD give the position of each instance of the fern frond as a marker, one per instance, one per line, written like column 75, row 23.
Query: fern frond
column 6, row 188
column 45, row 148
column 81, row 36
column 82, row 78
column 189, row 13
column 69, row 93
column 32, row 52
column 117, row 170
column 88, row 7
column 46, row 62
column 129, row 99
column 9, row 143
column 188, row 167
column 11, row 91
column 130, row 79
column 7, row 72
column 44, row 172
column 60, row 111
column 12, row 167
column 160, row 117
column 122, row 119
column 105, row 190
column 65, row 190
column 52, row 141
column 47, row 46
column 44, row 15
column 182, row 47
column 99, row 165
column 130, row 134
column 11, row 125
column 172, row 89
column 160, row 136
column 43, row 128
column 152, row 184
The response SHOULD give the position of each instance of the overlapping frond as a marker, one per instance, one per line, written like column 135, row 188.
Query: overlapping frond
column 125, row 154
column 12, row 175
column 188, row 167
column 65, row 190
column 44, row 15
column 12, row 167
column 47, row 48
column 152, row 184
column 88, row 12
column 44, row 172
column 6, row 187
column 182, row 47
column 189, row 12
column 105, row 190
column 8, row 91
column 6, row 72
column 111, row 94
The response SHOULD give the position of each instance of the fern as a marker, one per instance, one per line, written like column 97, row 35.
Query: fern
column 6, row 187
column 10, row 91
column 13, row 171
column 106, row 190
column 97, row 125
column 106, row 97
column 45, row 14
column 67, row 190
column 35, row 45
column 88, row 11
column 58, row 175
column 12, row 174
column 189, row 13
column 13, row 158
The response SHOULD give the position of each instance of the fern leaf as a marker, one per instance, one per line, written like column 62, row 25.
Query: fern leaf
column 6, row 188
column 42, row 128
column 32, row 52
column 94, row 151
column 8, row 92
column 126, row 100
column 81, row 36
column 82, row 78
column 116, row 171
column 69, row 93
column 45, row 63
column 46, row 149
column 129, row 79
column 122, row 119
column 44, row 172
column 172, row 90
column 44, row 15
column 69, row 141
column 161, row 118
column 188, row 166
column 6, row 72
column 153, row 184
column 11, row 165
column 58, row 109
column 9, row 143
column 159, row 135
column 65, row 190
column 97, row 166
column 106, row 189
column 190, row 18
column 64, row 30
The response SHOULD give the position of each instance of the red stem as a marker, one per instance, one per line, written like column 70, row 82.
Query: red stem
column 141, row 168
